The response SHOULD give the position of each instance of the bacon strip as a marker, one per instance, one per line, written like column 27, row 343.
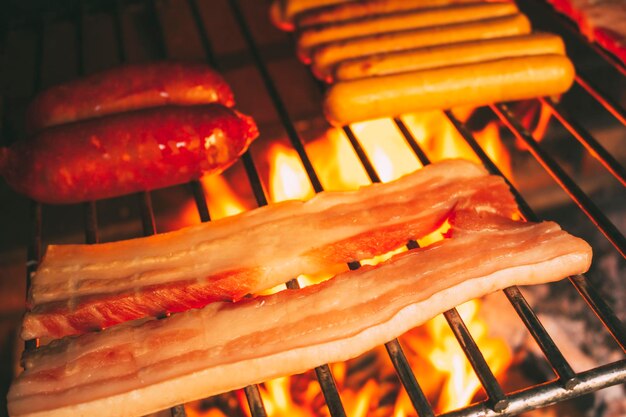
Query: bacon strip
column 136, row 369
column 80, row 288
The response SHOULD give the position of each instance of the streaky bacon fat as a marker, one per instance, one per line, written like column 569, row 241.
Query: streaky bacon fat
column 81, row 288
column 134, row 369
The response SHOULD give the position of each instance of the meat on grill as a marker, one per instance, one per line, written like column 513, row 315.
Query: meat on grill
column 126, row 88
column 602, row 21
column 135, row 369
column 80, row 288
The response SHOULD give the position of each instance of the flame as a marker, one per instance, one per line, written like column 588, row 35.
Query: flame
column 545, row 115
column 436, row 342
column 335, row 162
column 221, row 200
column 288, row 179
column 438, row 137
column 386, row 148
column 489, row 140
column 369, row 387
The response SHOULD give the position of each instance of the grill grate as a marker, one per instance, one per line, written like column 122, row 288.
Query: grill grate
column 569, row 384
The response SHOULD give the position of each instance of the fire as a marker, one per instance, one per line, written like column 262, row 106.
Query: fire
column 386, row 148
column 335, row 162
column 438, row 137
column 446, row 355
column 221, row 199
column 368, row 384
column 288, row 179
column 489, row 140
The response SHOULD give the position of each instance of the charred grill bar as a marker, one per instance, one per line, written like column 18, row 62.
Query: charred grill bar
column 569, row 383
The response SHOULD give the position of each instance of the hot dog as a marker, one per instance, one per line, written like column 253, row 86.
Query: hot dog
column 316, row 35
column 126, row 153
column 451, row 54
column 326, row 56
column 127, row 88
column 355, row 10
column 442, row 88
column 282, row 12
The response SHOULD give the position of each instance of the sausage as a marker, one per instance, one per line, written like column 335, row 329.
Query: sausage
column 125, row 88
column 126, row 153
column 282, row 12
column 326, row 56
column 451, row 54
column 442, row 88
column 414, row 19
column 355, row 10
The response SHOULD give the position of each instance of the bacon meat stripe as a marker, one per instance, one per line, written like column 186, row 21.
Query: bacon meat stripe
column 80, row 288
column 135, row 369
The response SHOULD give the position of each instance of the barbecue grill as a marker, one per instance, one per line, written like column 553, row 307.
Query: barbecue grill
column 45, row 45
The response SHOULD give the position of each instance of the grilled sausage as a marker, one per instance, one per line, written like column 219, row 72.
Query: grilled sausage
column 282, row 12
column 125, row 88
column 451, row 54
column 126, row 153
column 326, row 56
column 414, row 19
column 355, row 10
column 442, row 88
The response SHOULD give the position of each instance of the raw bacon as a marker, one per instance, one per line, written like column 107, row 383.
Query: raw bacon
column 135, row 369
column 80, row 288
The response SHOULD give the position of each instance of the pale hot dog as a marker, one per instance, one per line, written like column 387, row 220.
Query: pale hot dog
column 282, row 12
column 406, row 20
column 442, row 88
column 326, row 56
column 446, row 55
column 355, row 10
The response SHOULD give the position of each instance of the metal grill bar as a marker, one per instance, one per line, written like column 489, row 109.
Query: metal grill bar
column 601, row 309
column 33, row 255
column 91, row 222
column 611, row 106
column 34, row 251
column 497, row 399
column 90, row 209
column 407, row 377
column 551, row 392
column 560, row 176
column 396, row 354
column 360, row 153
column 585, row 138
column 410, row 140
column 325, row 378
column 543, row 339
column 283, row 114
column 573, row 30
column 518, row 402
column 324, row 374
column 200, row 198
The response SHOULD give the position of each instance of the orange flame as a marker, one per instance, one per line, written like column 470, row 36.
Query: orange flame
column 335, row 162
column 386, row 148
column 432, row 346
column 288, row 179
column 221, row 199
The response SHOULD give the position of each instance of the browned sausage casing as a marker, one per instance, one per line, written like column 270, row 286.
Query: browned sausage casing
column 126, row 153
column 129, row 87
